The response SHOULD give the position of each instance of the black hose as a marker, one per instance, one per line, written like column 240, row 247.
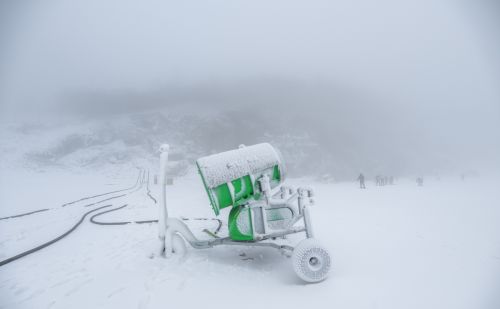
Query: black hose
column 149, row 191
column 109, row 223
column 44, row 245
column 25, row 253
column 25, row 214
column 69, row 231
column 107, row 193
column 110, row 198
column 92, row 219
column 79, row 200
column 117, row 222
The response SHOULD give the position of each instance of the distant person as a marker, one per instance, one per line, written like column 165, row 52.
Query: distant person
column 377, row 180
column 420, row 181
column 361, row 179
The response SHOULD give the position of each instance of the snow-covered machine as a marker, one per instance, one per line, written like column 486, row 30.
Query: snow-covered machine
column 263, row 210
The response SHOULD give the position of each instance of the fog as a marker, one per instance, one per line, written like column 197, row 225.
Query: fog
column 386, row 113
column 395, row 87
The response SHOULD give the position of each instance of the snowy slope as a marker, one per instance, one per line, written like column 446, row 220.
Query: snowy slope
column 400, row 246
column 126, row 140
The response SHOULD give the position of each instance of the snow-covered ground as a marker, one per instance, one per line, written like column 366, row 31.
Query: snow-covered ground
column 400, row 246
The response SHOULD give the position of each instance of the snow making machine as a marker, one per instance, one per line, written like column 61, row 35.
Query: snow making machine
column 249, row 180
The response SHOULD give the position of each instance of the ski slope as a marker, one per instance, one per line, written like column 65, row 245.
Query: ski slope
column 401, row 246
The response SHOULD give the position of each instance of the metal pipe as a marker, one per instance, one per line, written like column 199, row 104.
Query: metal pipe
column 176, row 226
column 162, row 210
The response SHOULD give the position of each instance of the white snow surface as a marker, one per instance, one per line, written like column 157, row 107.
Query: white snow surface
column 401, row 246
column 229, row 165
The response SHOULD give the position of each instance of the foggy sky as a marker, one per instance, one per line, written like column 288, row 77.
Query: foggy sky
column 429, row 70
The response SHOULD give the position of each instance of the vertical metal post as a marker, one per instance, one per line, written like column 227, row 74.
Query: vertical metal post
column 307, row 223
column 303, row 202
column 163, row 213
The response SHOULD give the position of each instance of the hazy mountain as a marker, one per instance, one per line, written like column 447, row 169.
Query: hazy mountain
column 321, row 130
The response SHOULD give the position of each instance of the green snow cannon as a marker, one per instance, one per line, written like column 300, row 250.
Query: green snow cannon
column 230, row 177
column 263, row 211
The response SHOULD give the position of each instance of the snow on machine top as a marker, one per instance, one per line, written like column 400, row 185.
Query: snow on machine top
column 226, row 166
